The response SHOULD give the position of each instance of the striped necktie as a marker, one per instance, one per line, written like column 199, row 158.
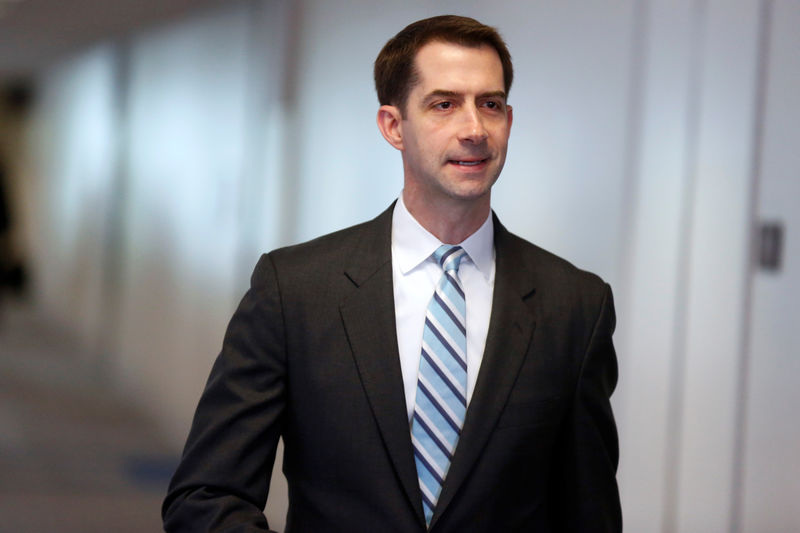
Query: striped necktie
column 442, row 383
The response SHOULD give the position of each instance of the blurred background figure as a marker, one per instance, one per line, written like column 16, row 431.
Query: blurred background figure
column 170, row 143
column 5, row 232
column 14, row 105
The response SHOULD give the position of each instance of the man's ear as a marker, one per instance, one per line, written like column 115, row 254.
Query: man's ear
column 390, row 123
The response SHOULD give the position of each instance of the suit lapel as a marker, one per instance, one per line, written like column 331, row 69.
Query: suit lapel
column 510, row 329
column 369, row 320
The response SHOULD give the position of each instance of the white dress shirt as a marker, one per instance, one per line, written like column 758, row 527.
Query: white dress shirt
column 415, row 274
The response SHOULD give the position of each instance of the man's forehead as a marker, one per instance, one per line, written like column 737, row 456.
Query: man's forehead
column 452, row 51
column 434, row 60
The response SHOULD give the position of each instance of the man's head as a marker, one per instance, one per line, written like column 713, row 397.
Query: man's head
column 396, row 70
column 450, row 121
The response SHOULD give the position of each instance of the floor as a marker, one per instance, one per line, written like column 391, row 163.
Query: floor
column 74, row 455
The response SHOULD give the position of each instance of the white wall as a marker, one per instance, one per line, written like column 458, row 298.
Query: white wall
column 253, row 126
column 649, row 315
column 717, row 260
column 74, row 134
column 185, row 131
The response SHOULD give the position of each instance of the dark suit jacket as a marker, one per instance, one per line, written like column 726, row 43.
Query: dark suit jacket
column 311, row 355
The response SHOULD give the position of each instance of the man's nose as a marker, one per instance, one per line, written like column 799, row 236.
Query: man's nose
column 472, row 128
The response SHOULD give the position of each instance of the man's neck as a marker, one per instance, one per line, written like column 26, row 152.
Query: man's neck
column 450, row 221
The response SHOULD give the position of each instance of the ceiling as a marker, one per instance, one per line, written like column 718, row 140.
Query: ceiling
column 34, row 33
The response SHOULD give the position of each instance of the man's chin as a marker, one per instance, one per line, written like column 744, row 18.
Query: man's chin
column 472, row 189
column 470, row 194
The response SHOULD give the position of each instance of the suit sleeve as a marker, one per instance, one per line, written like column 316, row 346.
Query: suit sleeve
column 222, row 481
column 586, row 487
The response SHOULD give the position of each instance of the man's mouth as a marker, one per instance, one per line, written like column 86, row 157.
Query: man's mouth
column 470, row 163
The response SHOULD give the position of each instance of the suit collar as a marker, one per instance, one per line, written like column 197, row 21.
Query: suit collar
column 369, row 320
column 510, row 331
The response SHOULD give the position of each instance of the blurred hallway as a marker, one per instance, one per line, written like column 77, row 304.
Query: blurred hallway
column 74, row 456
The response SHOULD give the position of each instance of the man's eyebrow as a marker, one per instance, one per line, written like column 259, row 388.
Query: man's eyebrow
column 439, row 93
column 493, row 94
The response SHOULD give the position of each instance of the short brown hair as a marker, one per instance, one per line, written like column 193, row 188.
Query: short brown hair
column 395, row 72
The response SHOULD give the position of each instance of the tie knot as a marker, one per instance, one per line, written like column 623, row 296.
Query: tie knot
column 449, row 257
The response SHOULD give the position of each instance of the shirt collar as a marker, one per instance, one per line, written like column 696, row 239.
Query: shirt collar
column 412, row 244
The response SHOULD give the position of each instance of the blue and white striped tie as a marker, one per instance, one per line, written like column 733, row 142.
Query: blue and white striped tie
column 442, row 384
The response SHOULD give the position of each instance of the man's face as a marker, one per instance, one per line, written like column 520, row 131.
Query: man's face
column 454, row 132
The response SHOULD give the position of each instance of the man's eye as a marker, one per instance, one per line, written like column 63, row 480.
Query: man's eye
column 444, row 105
column 492, row 105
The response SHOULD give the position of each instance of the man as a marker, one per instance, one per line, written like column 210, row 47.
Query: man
column 427, row 370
